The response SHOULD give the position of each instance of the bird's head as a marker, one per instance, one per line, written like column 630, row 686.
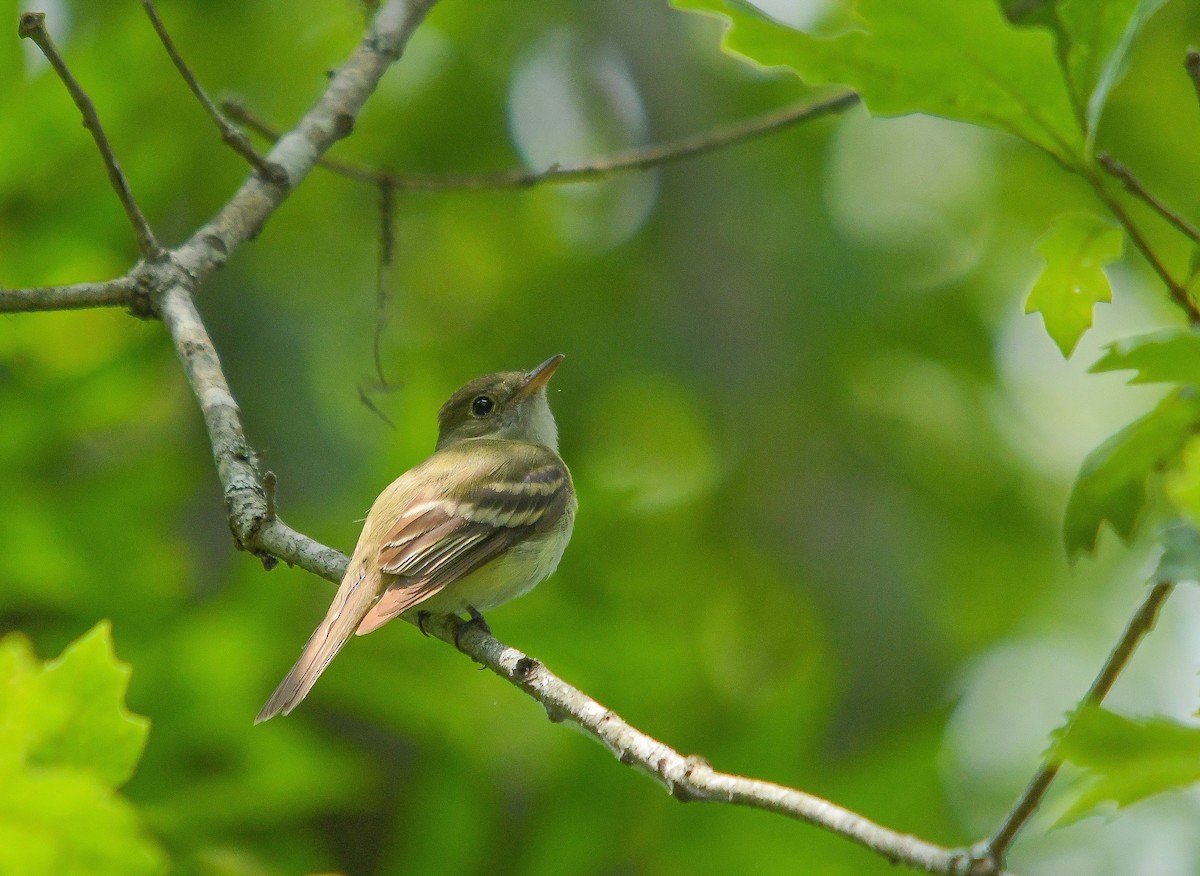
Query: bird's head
column 507, row 404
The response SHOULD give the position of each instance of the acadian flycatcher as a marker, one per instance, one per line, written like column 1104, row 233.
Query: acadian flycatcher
column 480, row 522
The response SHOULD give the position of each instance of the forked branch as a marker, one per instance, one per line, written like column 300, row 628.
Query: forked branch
column 234, row 138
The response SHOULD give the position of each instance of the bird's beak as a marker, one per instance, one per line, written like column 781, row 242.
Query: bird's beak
column 538, row 377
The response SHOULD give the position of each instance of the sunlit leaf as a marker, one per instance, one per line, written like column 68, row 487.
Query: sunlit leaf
column 67, row 742
column 85, row 722
column 58, row 820
column 1127, row 760
column 1168, row 356
column 1112, row 483
column 960, row 59
column 1076, row 249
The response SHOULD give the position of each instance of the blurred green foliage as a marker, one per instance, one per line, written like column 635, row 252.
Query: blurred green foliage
column 1112, row 484
column 822, row 456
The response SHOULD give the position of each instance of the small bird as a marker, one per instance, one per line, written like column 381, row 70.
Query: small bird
column 480, row 522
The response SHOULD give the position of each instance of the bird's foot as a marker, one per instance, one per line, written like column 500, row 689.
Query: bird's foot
column 422, row 619
column 478, row 620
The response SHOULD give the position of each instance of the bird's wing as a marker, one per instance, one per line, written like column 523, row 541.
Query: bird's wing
column 438, row 539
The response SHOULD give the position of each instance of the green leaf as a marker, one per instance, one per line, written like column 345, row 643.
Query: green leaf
column 17, row 666
column 1168, row 356
column 85, row 720
column 66, row 742
column 1127, row 760
column 1112, row 482
column 57, row 820
column 1181, row 485
column 960, row 59
column 1075, row 249
column 1098, row 35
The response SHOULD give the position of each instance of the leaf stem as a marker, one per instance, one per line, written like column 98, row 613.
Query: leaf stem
column 1134, row 185
column 1177, row 292
column 1139, row 625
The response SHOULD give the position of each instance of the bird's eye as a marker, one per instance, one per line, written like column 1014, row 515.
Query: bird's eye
column 482, row 406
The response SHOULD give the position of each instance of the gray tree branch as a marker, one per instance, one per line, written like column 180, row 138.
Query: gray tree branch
column 121, row 292
column 690, row 778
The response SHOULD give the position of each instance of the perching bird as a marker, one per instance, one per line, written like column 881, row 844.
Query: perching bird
column 480, row 522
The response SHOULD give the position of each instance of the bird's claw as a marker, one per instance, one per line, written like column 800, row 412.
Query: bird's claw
column 477, row 619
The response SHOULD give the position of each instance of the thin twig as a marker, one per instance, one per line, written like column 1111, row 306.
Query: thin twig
column 364, row 396
column 121, row 292
column 33, row 27
column 633, row 159
column 233, row 137
column 330, row 119
column 387, row 246
column 1134, row 185
column 1191, row 63
column 1178, row 294
column 269, row 481
column 1138, row 626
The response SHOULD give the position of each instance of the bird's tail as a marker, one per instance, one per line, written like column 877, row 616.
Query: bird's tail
column 354, row 597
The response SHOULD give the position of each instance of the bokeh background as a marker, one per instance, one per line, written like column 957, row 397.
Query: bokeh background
column 822, row 455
